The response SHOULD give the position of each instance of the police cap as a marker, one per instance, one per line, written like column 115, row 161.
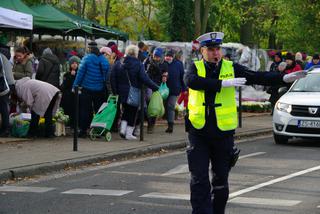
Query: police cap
column 212, row 39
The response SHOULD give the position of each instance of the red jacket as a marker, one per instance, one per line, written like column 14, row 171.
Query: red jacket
column 297, row 67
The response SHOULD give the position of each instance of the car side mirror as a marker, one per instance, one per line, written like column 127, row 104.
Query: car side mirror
column 282, row 90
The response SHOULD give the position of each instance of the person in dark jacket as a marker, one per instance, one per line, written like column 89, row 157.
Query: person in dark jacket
column 5, row 50
column 91, row 76
column 155, row 68
column 277, row 59
column 6, row 73
column 273, row 90
column 49, row 68
column 130, row 69
column 176, row 86
column 142, row 56
column 67, row 100
column 212, row 120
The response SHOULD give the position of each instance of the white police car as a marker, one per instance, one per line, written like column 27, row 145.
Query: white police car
column 297, row 112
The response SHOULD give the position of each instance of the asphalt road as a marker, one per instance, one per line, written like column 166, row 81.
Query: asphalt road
column 268, row 179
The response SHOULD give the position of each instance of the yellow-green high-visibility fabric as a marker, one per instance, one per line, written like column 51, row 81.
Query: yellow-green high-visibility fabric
column 196, row 108
column 226, row 114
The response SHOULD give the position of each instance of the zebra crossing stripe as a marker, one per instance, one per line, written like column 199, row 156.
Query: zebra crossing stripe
column 183, row 168
column 265, row 201
column 166, row 196
column 274, row 181
column 106, row 192
column 238, row 200
column 251, row 155
column 25, row 189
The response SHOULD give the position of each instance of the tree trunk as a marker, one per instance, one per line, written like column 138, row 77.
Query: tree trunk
column 83, row 8
column 246, row 36
column 149, row 17
column 272, row 34
column 246, row 27
column 78, row 7
column 272, row 41
column 207, row 6
column 107, row 12
column 197, row 16
column 93, row 11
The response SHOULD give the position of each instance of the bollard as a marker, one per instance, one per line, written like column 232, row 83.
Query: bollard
column 240, row 107
column 76, row 119
column 142, row 112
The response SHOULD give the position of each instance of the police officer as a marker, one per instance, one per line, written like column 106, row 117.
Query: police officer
column 212, row 120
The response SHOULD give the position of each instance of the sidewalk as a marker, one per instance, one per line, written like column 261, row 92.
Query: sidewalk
column 23, row 157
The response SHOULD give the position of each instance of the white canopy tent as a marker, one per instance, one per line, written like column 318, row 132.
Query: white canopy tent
column 14, row 19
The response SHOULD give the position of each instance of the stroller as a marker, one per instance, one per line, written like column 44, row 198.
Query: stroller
column 103, row 119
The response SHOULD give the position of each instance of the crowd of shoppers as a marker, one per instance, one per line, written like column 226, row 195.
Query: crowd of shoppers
column 38, row 85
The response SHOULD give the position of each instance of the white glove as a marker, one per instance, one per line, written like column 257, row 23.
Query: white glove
column 234, row 82
column 288, row 78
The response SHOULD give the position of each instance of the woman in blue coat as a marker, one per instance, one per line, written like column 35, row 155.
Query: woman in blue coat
column 91, row 76
column 130, row 68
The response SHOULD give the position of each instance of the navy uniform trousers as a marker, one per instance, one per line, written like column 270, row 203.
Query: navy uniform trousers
column 209, row 197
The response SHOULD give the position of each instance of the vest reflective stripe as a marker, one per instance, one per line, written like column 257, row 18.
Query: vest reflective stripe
column 226, row 114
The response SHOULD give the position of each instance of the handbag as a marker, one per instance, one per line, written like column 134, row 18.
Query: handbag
column 134, row 94
column 4, row 87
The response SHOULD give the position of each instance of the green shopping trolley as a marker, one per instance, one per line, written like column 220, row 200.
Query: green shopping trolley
column 102, row 121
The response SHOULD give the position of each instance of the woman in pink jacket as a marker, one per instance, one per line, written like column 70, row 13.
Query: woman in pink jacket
column 42, row 98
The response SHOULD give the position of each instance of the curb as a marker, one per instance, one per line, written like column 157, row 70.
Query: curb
column 258, row 132
column 38, row 169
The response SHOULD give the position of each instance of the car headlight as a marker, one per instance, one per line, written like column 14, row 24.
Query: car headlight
column 284, row 107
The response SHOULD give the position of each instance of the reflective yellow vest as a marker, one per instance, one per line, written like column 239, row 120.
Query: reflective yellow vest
column 226, row 114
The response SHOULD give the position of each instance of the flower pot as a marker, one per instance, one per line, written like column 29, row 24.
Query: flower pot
column 60, row 129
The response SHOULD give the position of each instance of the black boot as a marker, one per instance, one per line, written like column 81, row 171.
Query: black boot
column 150, row 128
column 170, row 128
column 82, row 134
column 151, row 123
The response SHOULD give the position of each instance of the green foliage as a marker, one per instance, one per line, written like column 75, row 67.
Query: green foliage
column 291, row 25
column 176, row 19
column 180, row 25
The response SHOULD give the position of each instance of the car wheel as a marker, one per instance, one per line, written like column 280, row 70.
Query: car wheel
column 280, row 139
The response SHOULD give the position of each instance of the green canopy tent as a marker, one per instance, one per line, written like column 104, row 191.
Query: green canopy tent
column 50, row 11
column 98, row 29
column 52, row 21
column 86, row 27
column 41, row 23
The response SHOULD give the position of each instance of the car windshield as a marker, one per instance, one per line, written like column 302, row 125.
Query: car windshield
column 311, row 83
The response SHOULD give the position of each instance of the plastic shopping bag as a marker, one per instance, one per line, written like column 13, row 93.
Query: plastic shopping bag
column 155, row 107
column 20, row 128
column 164, row 90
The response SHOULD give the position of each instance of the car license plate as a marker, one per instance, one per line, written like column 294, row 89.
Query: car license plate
column 308, row 124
